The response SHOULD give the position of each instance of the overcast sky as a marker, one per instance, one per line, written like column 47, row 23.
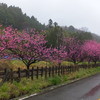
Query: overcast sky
column 79, row 13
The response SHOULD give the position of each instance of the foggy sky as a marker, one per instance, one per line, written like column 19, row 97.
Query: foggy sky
column 79, row 13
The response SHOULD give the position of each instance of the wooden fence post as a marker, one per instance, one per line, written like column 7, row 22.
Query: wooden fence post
column 53, row 71
column 49, row 71
column 58, row 70
column 69, row 69
column 5, row 71
column 11, row 75
column 66, row 68
column 46, row 72
column 42, row 69
column 32, row 73
column 37, row 72
column 61, row 70
column 19, row 73
column 5, row 75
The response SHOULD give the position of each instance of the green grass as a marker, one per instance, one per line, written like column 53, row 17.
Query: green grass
column 15, row 64
column 42, row 64
column 83, row 73
column 27, row 86
column 66, row 63
column 86, row 63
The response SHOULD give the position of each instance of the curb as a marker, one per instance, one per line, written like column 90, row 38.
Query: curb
column 52, row 88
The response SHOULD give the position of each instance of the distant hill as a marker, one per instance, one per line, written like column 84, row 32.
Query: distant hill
column 96, row 37
column 14, row 16
column 81, row 34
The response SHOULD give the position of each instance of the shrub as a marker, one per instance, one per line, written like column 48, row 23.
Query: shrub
column 55, row 80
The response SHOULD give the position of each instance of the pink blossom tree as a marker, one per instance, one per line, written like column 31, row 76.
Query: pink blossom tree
column 2, row 48
column 2, row 53
column 73, row 49
column 92, row 50
column 58, row 55
column 24, row 46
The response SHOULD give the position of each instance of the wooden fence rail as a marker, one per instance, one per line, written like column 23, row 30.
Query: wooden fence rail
column 10, row 75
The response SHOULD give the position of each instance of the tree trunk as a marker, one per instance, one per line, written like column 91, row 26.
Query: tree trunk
column 95, row 62
column 75, row 62
column 28, row 66
column 28, row 71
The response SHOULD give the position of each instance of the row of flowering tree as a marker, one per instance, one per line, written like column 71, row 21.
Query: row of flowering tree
column 28, row 47
column 91, row 51
column 31, row 47
column 78, row 51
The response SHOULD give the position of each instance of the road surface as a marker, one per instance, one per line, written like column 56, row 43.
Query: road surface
column 86, row 89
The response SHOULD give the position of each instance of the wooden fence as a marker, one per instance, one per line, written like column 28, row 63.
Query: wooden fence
column 10, row 75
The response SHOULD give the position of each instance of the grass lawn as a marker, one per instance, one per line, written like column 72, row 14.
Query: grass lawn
column 15, row 64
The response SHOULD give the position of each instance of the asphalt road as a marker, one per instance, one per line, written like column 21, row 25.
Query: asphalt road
column 86, row 89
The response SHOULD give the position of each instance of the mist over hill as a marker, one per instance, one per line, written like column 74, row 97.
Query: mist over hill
column 96, row 37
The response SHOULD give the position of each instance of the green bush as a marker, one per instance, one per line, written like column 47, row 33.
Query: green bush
column 64, row 78
column 55, row 80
